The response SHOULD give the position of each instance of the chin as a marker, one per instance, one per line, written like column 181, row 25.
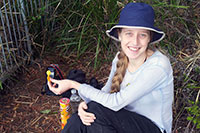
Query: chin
column 132, row 55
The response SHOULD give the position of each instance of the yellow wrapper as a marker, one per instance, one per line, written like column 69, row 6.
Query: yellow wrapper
column 64, row 110
column 48, row 75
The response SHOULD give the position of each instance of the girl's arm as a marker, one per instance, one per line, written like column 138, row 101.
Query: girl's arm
column 144, row 83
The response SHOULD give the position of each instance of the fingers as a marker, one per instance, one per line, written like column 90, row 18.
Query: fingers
column 49, row 84
column 54, row 85
column 86, row 117
column 83, row 105
column 53, row 89
column 54, row 80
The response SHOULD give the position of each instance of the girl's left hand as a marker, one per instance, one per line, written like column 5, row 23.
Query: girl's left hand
column 63, row 85
column 87, row 118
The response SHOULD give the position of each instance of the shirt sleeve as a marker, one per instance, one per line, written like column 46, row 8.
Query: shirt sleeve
column 148, row 79
column 108, row 84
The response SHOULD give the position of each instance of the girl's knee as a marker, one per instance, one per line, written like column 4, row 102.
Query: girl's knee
column 98, row 109
column 93, row 104
column 94, row 107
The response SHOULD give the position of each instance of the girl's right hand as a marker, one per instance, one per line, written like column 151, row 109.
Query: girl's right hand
column 86, row 117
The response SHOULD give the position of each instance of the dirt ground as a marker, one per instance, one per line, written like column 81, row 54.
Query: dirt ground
column 21, row 106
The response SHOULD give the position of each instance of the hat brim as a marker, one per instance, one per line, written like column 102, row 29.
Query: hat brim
column 157, row 36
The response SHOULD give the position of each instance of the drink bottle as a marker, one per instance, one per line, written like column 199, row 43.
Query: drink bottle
column 74, row 100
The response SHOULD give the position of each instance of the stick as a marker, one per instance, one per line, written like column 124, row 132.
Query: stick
column 36, row 120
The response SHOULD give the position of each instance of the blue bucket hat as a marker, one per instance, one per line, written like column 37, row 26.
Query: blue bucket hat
column 137, row 15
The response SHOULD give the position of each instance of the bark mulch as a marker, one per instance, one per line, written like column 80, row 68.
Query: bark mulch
column 21, row 106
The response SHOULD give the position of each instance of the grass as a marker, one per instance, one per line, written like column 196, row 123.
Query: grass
column 78, row 27
column 83, row 24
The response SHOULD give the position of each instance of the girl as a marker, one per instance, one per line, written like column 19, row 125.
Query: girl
column 138, row 95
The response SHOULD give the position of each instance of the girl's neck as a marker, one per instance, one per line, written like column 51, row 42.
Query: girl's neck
column 134, row 64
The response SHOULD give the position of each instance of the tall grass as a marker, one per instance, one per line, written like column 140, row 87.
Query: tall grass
column 84, row 24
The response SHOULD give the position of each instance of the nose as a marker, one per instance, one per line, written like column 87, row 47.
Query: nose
column 134, row 40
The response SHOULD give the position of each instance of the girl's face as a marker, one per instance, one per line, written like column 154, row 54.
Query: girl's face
column 134, row 42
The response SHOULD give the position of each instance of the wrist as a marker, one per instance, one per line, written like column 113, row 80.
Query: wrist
column 75, row 85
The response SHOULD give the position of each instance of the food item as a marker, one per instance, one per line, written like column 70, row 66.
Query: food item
column 64, row 110
column 48, row 75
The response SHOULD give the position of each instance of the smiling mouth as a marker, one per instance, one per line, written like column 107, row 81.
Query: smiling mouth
column 134, row 49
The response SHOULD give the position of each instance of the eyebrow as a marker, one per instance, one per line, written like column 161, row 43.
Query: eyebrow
column 146, row 31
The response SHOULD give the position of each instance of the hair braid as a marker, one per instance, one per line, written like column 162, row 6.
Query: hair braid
column 122, row 65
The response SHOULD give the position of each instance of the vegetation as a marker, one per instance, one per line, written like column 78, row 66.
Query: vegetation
column 77, row 27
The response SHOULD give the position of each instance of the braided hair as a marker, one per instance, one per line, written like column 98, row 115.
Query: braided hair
column 122, row 65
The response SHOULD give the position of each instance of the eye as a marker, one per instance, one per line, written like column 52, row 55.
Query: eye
column 128, row 34
column 143, row 35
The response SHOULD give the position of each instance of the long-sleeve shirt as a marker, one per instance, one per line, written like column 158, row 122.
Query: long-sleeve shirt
column 147, row 91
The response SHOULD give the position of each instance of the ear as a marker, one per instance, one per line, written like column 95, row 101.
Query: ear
column 119, row 36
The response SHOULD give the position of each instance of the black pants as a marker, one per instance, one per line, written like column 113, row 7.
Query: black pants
column 108, row 121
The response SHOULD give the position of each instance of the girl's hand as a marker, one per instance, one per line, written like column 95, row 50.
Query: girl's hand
column 63, row 85
column 86, row 117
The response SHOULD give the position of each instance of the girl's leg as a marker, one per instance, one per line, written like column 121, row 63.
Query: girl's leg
column 101, row 124
column 131, row 122
column 108, row 121
column 121, row 121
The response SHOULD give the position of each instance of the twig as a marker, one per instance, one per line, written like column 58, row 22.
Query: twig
column 34, row 101
column 36, row 120
column 33, row 81
column 24, row 96
column 103, row 79
column 80, row 23
column 190, row 37
column 23, row 102
column 47, row 127
column 197, row 98
column 56, row 7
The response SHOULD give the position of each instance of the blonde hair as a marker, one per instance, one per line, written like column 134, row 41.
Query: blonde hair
column 122, row 65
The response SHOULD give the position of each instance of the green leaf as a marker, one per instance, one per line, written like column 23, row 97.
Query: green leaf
column 55, row 112
column 47, row 111
column 1, row 86
column 194, row 121
column 198, row 126
column 189, row 118
column 33, row 18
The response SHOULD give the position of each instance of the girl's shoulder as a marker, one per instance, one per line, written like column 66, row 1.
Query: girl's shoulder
column 159, row 59
column 115, row 58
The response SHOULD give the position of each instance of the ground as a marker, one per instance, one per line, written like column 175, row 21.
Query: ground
column 21, row 105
